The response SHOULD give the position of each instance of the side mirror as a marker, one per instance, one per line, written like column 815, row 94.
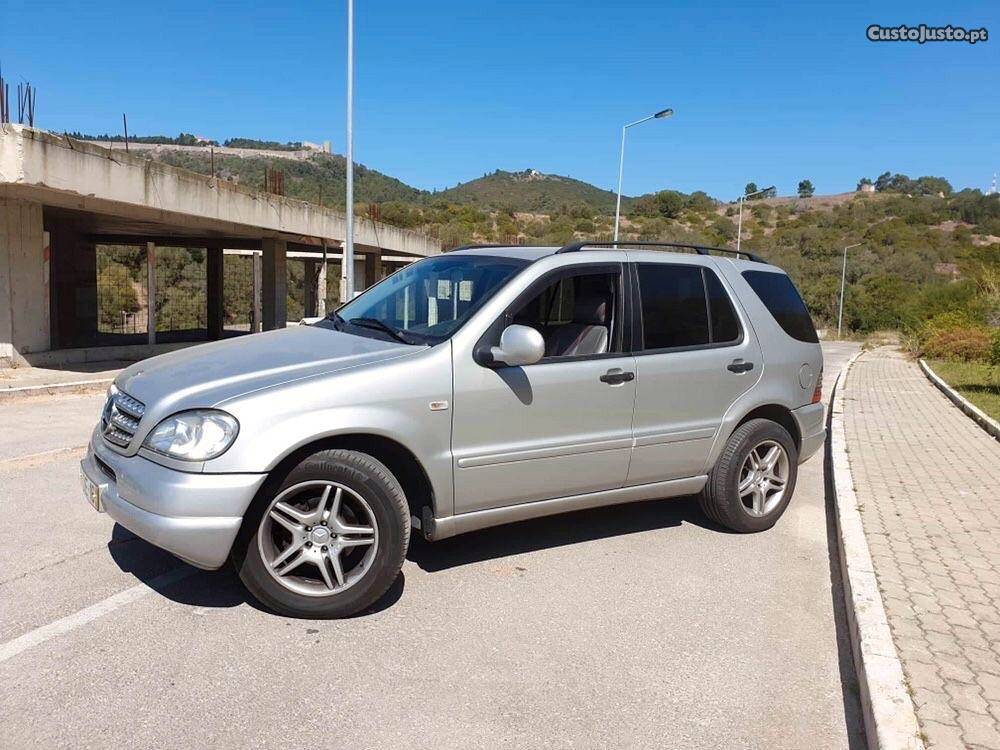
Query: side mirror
column 519, row 345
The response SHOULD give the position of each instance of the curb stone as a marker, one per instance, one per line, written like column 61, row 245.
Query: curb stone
column 889, row 716
column 54, row 388
column 980, row 417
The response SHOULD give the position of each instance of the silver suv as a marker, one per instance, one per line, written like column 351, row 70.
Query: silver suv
column 479, row 387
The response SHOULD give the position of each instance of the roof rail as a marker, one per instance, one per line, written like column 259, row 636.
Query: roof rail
column 475, row 247
column 700, row 249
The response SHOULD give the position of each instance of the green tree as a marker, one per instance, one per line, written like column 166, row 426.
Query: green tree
column 863, row 181
column 806, row 189
column 117, row 294
column 750, row 188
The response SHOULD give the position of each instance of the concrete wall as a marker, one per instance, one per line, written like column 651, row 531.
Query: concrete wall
column 24, row 294
column 300, row 155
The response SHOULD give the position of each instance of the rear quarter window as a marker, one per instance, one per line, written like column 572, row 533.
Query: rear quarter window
column 783, row 301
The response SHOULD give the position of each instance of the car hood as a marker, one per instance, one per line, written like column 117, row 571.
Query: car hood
column 205, row 375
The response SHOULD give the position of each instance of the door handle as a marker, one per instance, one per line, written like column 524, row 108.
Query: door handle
column 617, row 377
column 738, row 365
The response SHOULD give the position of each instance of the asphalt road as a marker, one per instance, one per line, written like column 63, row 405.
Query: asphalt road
column 631, row 626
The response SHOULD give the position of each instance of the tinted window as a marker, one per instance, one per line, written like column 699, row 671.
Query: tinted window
column 725, row 327
column 674, row 309
column 782, row 300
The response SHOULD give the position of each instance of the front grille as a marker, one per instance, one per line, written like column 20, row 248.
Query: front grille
column 120, row 418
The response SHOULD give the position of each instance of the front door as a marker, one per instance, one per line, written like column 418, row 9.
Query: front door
column 695, row 356
column 559, row 427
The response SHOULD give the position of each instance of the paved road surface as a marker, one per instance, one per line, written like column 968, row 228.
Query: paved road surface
column 633, row 626
column 926, row 477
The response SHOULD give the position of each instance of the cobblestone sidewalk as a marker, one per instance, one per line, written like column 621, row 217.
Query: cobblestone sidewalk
column 928, row 485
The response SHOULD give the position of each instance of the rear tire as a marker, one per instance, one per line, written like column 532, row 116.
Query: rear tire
column 753, row 480
column 327, row 540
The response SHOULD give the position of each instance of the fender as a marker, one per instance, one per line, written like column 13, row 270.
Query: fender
column 395, row 404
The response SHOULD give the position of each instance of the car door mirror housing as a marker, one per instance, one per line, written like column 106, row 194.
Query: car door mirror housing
column 519, row 345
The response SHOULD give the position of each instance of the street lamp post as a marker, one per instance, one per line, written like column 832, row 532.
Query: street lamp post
column 739, row 226
column 843, row 279
column 347, row 264
column 621, row 160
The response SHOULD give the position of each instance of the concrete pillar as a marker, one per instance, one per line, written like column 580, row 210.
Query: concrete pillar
column 256, row 293
column 275, row 284
column 309, row 287
column 213, row 290
column 321, row 286
column 150, row 292
column 373, row 264
column 24, row 293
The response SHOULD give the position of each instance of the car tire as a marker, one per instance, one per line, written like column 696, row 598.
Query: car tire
column 334, row 566
column 746, row 494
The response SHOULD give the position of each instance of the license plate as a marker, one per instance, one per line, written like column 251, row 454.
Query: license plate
column 92, row 492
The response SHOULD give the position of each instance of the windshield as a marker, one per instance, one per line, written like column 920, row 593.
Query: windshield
column 426, row 302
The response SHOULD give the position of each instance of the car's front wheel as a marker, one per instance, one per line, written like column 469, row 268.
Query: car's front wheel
column 328, row 540
column 752, row 483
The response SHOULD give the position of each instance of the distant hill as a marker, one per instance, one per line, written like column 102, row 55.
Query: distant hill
column 323, row 175
column 529, row 191
column 320, row 177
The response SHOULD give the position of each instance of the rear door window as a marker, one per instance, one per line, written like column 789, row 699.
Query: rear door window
column 674, row 311
column 782, row 300
column 684, row 306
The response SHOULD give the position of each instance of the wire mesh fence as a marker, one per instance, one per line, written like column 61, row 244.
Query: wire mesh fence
column 333, row 284
column 181, row 291
column 237, row 292
column 122, row 293
column 295, row 297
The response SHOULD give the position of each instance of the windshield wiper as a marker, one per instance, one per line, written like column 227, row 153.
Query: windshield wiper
column 378, row 325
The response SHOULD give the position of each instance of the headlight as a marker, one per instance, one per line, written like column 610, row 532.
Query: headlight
column 194, row 435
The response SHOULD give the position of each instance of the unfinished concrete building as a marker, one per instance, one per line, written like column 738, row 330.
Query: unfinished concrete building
column 89, row 238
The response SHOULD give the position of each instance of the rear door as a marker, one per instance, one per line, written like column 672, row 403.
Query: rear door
column 695, row 355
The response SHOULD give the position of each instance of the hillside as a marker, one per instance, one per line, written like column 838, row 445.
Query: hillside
column 920, row 254
column 530, row 191
column 321, row 177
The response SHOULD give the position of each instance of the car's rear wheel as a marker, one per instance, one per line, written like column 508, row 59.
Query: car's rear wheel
column 752, row 483
column 328, row 539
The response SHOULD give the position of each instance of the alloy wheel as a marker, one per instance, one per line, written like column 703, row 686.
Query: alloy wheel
column 764, row 478
column 318, row 538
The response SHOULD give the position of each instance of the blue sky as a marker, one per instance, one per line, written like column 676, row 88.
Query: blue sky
column 447, row 91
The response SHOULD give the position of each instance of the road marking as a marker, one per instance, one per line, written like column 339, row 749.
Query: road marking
column 71, row 622
column 17, row 461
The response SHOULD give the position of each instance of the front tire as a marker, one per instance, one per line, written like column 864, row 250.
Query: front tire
column 753, row 480
column 327, row 540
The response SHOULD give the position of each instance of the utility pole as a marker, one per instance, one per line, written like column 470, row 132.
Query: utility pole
column 347, row 266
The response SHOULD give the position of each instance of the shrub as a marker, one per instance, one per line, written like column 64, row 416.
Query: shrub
column 995, row 348
column 968, row 343
column 943, row 322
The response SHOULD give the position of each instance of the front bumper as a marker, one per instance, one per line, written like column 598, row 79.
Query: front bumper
column 812, row 427
column 194, row 516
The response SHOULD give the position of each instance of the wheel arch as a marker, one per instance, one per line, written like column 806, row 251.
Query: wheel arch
column 400, row 460
column 782, row 415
